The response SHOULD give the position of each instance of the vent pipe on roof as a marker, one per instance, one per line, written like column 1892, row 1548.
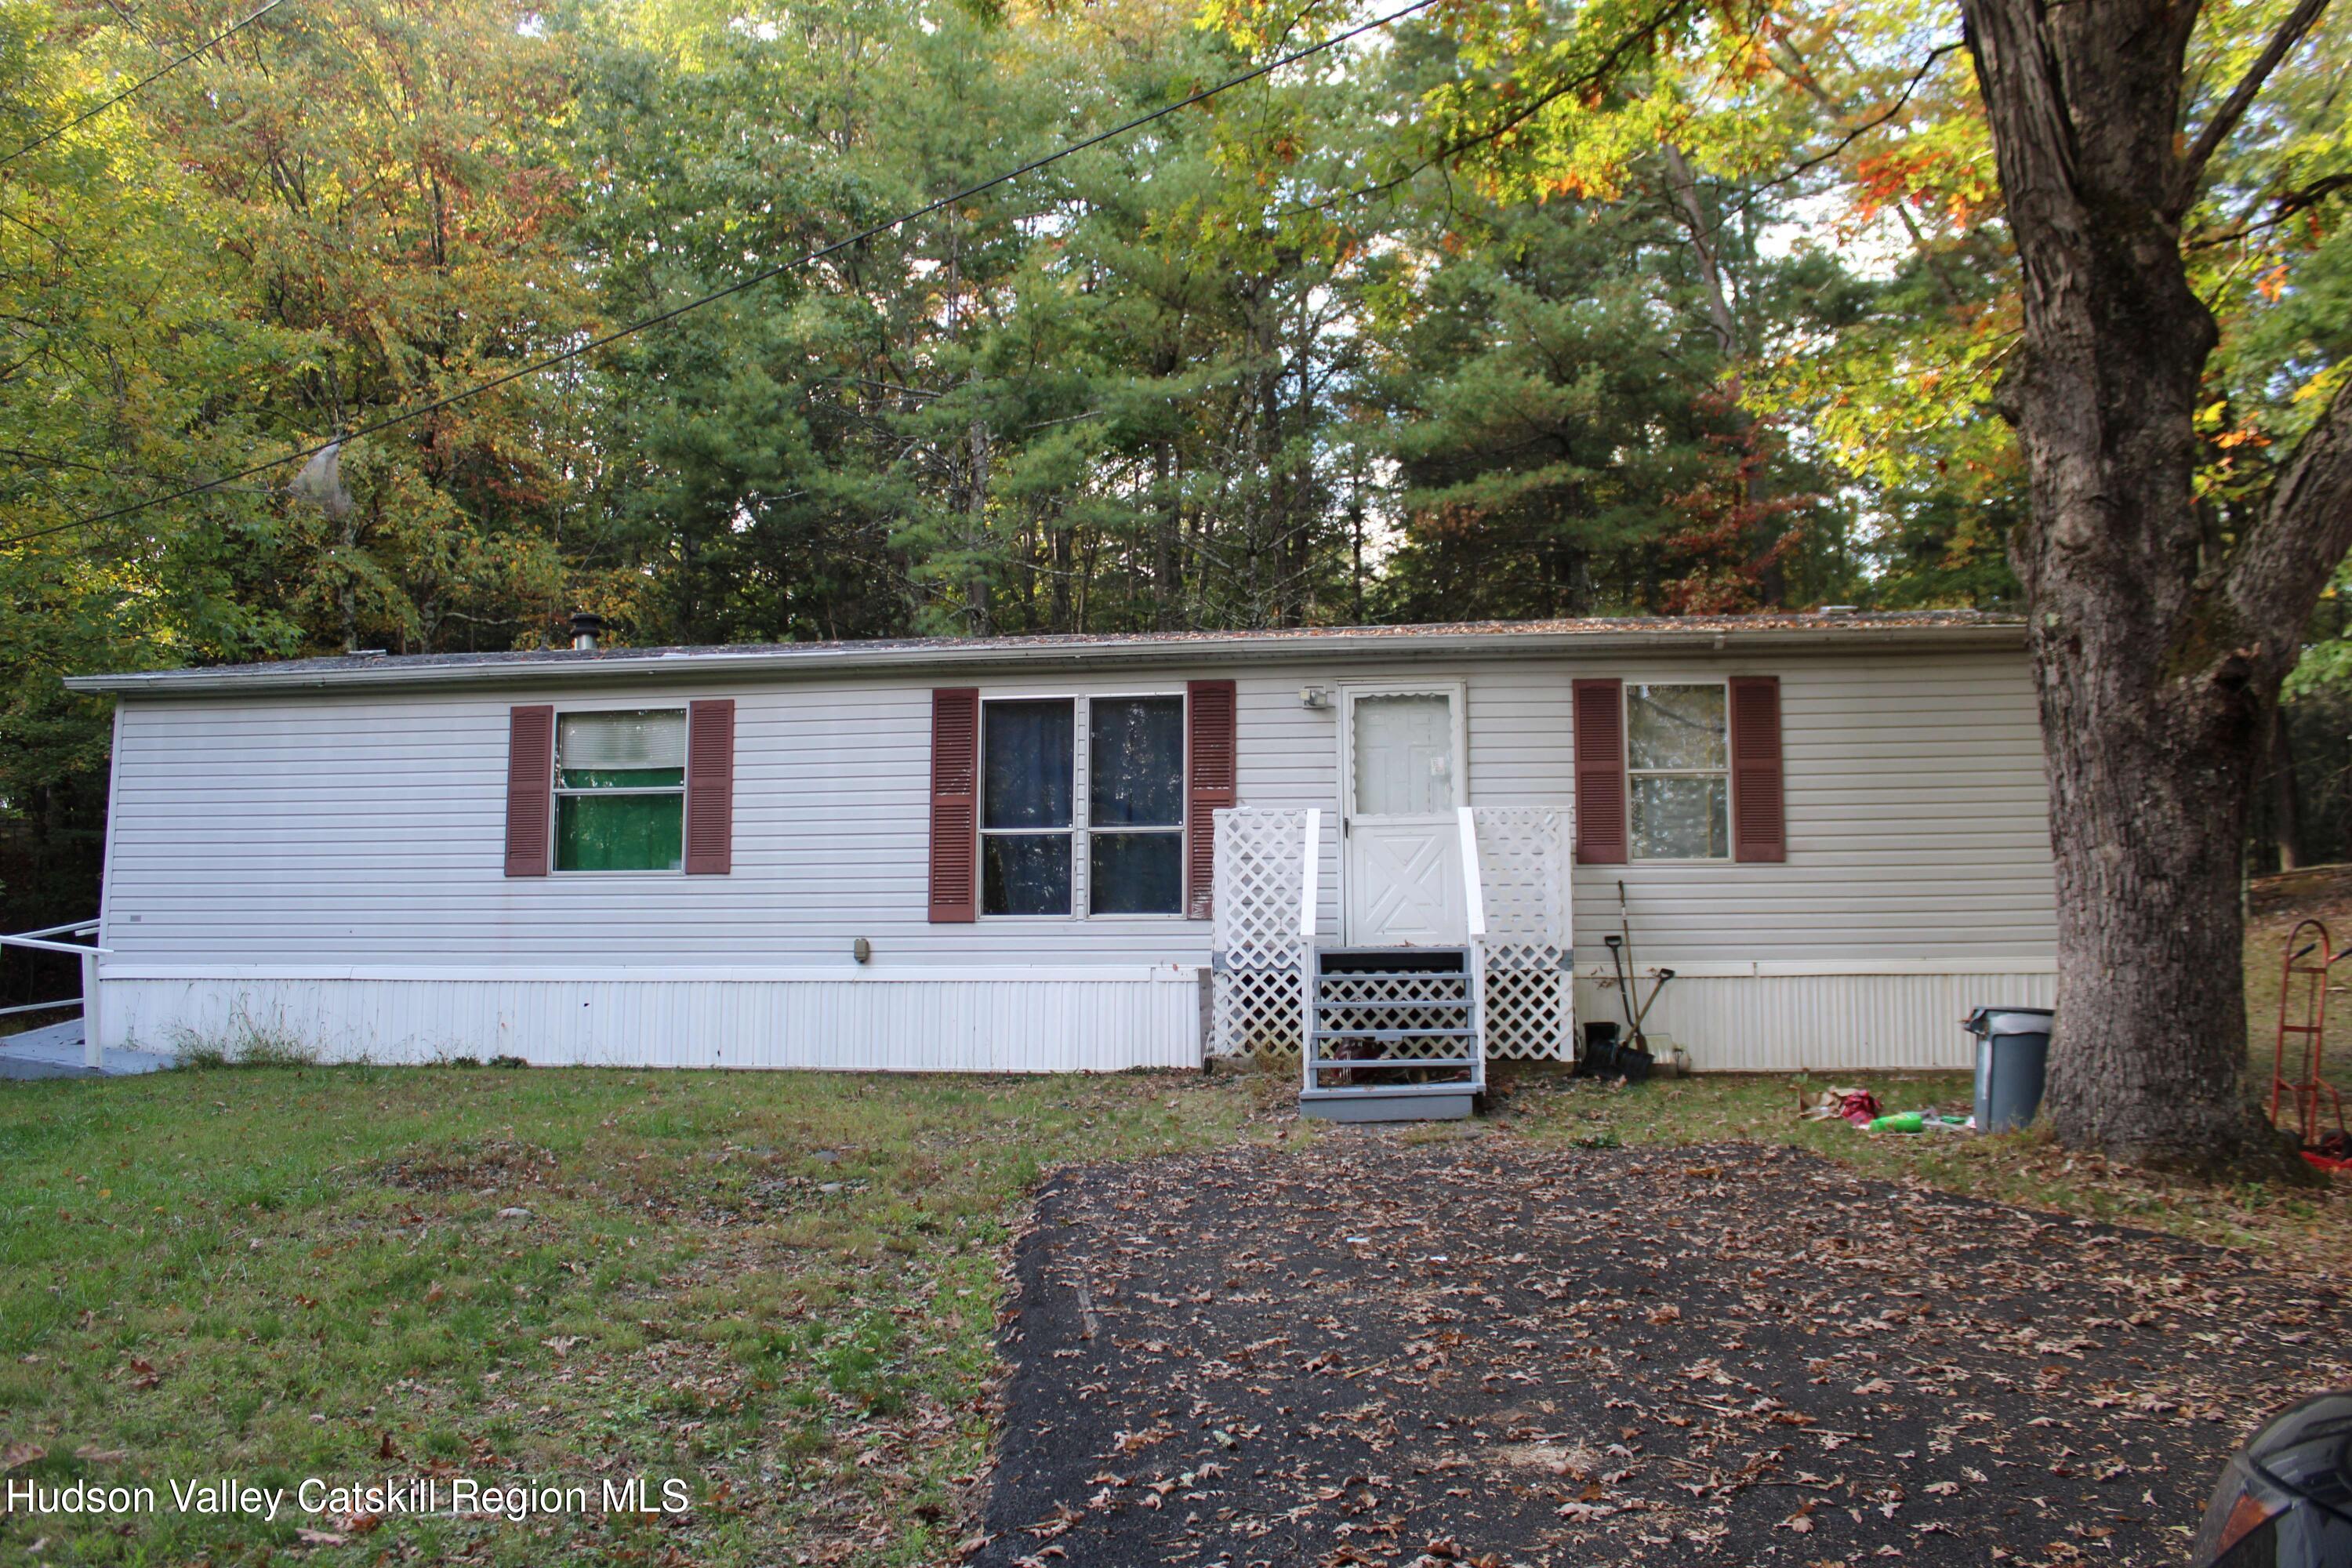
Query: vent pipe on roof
column 585, row 624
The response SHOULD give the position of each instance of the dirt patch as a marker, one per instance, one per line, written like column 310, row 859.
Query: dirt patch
column 1377, row 1353
column 493, row 1167
column 2322, row 891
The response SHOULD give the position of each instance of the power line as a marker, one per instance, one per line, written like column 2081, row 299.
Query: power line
column 48, row 137
column 756, row 279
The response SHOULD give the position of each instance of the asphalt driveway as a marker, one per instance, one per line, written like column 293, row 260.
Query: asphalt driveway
column 1483, row 1351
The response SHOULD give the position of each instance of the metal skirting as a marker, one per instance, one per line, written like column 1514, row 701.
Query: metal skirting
column 1065, row 1022
column 1826, row 1022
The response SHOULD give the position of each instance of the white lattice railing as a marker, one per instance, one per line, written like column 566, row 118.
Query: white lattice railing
column 1265, row 862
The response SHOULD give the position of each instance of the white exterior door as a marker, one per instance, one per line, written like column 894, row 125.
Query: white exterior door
column 1401, row 776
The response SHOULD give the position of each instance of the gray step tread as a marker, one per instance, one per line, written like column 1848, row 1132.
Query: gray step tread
column 1389, row 1090
column 1394, row 1002
column 1341, row 977
column 1391, row 950
column 1395, row 1034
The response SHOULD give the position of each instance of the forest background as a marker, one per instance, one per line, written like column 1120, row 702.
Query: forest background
column 1713, row 326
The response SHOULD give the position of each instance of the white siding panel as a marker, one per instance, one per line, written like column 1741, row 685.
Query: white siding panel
column 1078, row 1023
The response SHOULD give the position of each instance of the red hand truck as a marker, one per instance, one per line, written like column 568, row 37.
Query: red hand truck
column 2308, row 959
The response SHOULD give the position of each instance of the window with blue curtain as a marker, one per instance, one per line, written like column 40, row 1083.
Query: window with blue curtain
column 1134, row 805
column 1027, row 801
column 1131, row 835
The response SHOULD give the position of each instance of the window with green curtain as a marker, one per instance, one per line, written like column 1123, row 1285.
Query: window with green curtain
column 620, row 791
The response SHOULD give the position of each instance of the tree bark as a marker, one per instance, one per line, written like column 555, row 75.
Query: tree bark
column 2156, row 662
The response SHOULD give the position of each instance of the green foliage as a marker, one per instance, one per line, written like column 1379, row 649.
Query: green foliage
column 1637, row 306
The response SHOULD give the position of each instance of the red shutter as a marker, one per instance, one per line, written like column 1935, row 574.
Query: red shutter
column 709, row 787
column 1600, row 719
column 1209, row 786
column 955, row 803
column 530, row 788
column 1756, row 828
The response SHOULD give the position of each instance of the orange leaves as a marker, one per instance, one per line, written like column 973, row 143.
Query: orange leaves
column 1924, row 177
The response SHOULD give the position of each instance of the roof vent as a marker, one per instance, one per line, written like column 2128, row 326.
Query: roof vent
column 585, row 624
column 1824, row 610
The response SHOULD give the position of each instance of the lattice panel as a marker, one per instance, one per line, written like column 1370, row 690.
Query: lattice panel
column 1523, row 858
column 1523, row 872
column 1530, row 1004
column 1257, row 1013
column 1258, row 991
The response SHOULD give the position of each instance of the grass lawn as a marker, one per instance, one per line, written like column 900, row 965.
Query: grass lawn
column 782, row 1289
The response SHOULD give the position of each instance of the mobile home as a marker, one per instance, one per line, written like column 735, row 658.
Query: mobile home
column 1375, row 846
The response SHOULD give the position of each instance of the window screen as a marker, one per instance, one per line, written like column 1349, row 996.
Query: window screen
column 1025, row 818
column 1404, row 755
column 1678, row 772
column 1134, row 805
column 620, row 791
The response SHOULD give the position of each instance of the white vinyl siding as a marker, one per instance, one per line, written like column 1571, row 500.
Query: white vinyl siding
column 355, row 831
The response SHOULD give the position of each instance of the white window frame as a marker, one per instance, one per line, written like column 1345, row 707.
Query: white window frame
column 1730, row 807
column 556, row 792
column 1081, row 827
column 1085, row 803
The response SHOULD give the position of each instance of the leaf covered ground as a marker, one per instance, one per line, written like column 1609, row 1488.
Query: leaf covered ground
column 1384, row 1349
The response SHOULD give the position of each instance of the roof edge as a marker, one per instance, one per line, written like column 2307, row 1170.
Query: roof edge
column 817, row 661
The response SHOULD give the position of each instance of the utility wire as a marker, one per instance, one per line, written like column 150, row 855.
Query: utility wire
column 48, row 137
column 756, row 279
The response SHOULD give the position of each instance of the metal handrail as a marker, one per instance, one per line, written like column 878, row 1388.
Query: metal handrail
column 38, row 945
column 40, row 1006
column 92, row 1053
column 77, row 929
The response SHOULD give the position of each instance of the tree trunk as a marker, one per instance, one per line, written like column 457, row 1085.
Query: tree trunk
column 2286, row 800
column 978, row 621
column 2158, row 665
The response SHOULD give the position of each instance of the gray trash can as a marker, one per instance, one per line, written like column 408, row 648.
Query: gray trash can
column 2012, row 1055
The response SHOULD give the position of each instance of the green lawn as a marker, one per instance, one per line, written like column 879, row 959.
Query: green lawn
column 782, row 1288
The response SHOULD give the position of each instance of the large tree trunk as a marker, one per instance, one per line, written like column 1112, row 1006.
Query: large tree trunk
column 2158, row 664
